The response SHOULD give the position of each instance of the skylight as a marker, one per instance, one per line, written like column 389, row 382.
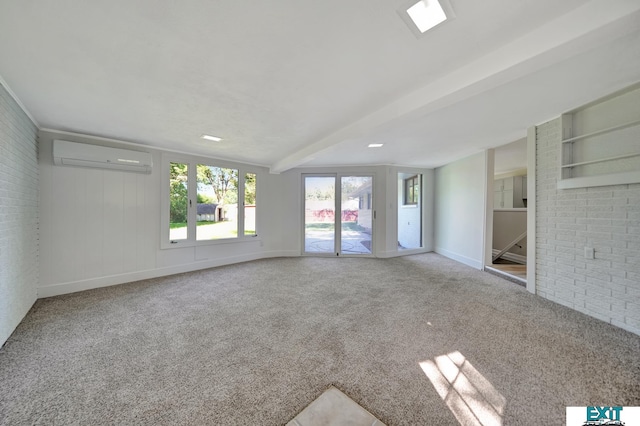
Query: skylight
column 426, row 14
column 375, row 145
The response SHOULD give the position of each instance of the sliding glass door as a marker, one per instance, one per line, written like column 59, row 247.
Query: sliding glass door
column 350, row 231
column 319, row 214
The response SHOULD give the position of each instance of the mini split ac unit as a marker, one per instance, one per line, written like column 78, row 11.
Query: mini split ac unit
column 67, row 153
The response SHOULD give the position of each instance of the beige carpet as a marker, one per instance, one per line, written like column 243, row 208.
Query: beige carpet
column 413, row 340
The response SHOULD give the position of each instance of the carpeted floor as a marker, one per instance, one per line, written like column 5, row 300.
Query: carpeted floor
column 255, row 343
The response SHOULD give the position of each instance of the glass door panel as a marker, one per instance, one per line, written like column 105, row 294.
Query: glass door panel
column 356, row 214
column 319, row 214
column 409, row 211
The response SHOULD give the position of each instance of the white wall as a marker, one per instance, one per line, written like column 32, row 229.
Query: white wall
column 460, row 209
column 384, row 202
column 18, row 214
column 102, row 227
column 606, row 218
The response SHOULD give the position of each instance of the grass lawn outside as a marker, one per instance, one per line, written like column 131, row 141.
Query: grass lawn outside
column 206, row 230
column 328, row 226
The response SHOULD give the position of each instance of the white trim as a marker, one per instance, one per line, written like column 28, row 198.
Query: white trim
column 400, row 253
column 19, row 102
column 517, row 258
column 92, row 283
column 600, row 180
column 487, row 235
column 512, row 173
column 531, row 209
column 474, row 263
column 517, row 209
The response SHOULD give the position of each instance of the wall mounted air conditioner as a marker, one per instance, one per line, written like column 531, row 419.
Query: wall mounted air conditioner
column 67, row 153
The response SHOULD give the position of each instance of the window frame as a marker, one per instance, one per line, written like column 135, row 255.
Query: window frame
column 193, row 162
column 412, row 182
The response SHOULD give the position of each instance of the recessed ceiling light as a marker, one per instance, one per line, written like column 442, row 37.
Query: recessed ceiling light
column 426, row 14
column 375, row 145
column 211, row 138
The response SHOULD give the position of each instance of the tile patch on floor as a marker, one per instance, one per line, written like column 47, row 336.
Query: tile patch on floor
column 334, row 408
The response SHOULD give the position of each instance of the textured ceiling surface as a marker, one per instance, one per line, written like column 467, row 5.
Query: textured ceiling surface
column 291, row 83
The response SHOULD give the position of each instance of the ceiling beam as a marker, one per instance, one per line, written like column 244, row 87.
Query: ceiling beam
column 596, row 22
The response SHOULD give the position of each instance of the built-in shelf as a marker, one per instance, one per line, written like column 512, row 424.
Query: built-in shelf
column 601, row 160
column 606, row 156
column 602, row 132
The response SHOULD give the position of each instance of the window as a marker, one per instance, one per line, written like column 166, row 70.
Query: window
column 178, row 201
column 217, row 203
column 411, row 190
column 203, row 202
column 364, row 201
column 250, row 180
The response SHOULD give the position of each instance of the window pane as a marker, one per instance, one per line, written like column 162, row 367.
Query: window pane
column 411, row 190
column 319, row 214
column 217, row 207
column 356, row 214
column 250, row 204
column 178, row 201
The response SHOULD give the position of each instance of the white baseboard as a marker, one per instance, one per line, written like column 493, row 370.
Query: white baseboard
column 517, row 258
column 91, row 283
column 399, row 253
column 474, row 263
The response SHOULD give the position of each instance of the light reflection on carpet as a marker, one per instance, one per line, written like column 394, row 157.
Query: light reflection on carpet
column 472, row 399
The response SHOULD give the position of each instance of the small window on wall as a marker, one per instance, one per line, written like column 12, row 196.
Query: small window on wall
column 250, row 184
column 411, row 190
column 204, row 203
column 178, row 201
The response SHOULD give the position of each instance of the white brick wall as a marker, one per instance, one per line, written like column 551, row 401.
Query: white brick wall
column 606, row 218
column 18, row 214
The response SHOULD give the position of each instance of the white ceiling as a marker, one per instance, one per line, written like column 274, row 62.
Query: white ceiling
column 291, row 83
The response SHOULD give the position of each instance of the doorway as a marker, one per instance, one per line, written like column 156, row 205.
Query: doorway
column 338, row 214
column 508, row 256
